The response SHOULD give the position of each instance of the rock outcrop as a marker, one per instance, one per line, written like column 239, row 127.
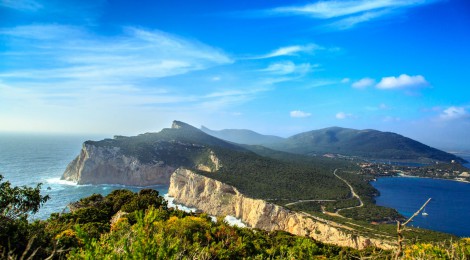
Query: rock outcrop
column 217, row 198
column 100, row 165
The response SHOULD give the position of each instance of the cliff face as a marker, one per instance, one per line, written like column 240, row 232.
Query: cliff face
column 100, row 165
column 217, row 198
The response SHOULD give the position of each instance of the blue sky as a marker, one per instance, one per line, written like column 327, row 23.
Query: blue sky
column 127, row 67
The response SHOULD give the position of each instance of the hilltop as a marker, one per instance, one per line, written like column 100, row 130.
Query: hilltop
column 366, row 144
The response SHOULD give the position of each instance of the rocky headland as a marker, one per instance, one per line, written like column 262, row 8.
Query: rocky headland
column 100, row 165
column 217, row 198
column 143, row 160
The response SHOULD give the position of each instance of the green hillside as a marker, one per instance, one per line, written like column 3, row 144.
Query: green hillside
column 368, row 144
column 371, row 144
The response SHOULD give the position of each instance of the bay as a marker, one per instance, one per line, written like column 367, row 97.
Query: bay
column 448, row 211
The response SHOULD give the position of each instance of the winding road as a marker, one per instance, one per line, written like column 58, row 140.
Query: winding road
column 354, row 194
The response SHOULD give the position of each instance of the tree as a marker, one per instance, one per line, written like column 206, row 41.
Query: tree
column 16, row 234
column 17, row 202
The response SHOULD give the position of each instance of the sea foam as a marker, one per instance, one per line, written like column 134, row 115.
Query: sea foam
column 171, row 204
column 61, row 182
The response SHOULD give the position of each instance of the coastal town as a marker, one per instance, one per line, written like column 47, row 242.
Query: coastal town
column 452, row 171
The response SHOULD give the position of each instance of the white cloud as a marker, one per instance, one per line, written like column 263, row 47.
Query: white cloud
column 402, row 81
column 299, row 114
column 348, row 13
column 350, row 22
column 342, row 115
column 21, row 5
column 78, row 55
column 345, row 80
column 332, row 8
column 237, row 92
column 288, row 67
column 363, row 83
column 291, row 51
column 453, row 112
column 217, row 100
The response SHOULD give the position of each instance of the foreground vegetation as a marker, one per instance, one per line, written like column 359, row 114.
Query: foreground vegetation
column 127, row 225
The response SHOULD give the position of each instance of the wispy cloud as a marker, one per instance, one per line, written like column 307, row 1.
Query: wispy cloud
column 402, row 81
column 347, row 13
column 453, row 113
column 331, row 9
column 299, row 114
column 44, row 33
column 21, row 5
column 100, row 108
column 72, row 74
column 352, row 21
column 79, row 55
column 236, row 92
column 288, row 67
column 363, row 83
column 292, row 50
column 343, row 115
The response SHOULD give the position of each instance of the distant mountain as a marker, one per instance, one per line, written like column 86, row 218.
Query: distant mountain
column 243, row 136
column 368, row 143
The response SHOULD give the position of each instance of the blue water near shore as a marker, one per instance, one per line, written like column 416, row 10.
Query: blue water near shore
column 32, row 159
column 449, row 209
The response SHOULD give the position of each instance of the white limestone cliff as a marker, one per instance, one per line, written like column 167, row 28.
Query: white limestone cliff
column 217, row 198
column 100, row 165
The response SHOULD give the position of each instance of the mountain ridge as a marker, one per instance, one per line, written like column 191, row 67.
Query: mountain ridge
column 365, row 143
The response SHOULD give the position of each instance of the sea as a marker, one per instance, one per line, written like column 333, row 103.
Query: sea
column 26, row 160
column 448, row 210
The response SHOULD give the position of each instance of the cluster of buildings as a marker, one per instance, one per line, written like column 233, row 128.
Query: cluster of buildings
column 454, row 171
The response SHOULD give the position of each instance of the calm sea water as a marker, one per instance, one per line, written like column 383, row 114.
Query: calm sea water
column 448, row 210
column 32, row 159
